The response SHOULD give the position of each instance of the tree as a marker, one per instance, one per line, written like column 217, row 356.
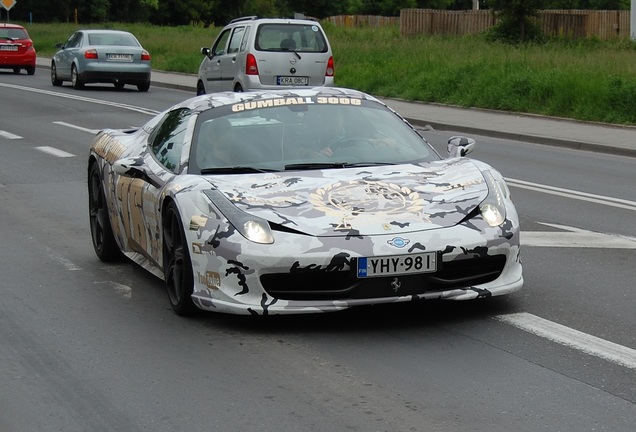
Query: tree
column 515, row 24
column 316, row 8
column 181, row 12
column 385, row 7
column 42, row 11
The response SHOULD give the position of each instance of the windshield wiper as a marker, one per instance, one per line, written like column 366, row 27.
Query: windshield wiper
column 293, row 51
column 326, row 165
column 235, row 170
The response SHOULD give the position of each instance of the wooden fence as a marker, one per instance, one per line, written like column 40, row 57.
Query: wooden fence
column 565, row 23
column 362, row 20
column 429, row 21
column 607, row 24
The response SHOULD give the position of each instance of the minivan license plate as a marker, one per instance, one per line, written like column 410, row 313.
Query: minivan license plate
column 397, row 265
column 290, row 80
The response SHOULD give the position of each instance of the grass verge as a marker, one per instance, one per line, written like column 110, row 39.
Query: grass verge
column 588, row 80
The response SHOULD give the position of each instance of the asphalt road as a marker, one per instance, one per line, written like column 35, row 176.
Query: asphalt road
column 86, row 346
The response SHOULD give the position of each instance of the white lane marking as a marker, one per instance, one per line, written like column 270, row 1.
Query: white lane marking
column 92, row 131
column 575, row 237
column 55, row 152
column 61, row 260
column 569, row 193
column 123, row 290
column 9, row 135
column 83, row 129
column 563, row 335
column 83, row 99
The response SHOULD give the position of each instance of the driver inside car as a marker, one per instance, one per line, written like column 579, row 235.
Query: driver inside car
column 218, row 143
column 334, row 135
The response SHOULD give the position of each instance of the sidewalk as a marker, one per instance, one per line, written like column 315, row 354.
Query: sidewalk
column 597, row 137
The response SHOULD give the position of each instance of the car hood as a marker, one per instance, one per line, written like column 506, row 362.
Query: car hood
column 361, row 201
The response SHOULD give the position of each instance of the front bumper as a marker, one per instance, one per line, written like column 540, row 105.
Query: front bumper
column 303, row 275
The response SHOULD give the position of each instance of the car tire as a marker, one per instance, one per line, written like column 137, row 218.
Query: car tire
column 30, row 70
column 144, row 87
column 119, row 85
column 75, row 78
column 238, row 88
column 200, row 89
column 54, row 79
column 16, row 70
column 177, row 266
column 104, row 241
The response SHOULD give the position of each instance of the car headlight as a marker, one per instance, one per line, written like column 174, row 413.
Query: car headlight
column 493, row 209
column 257, row 231
column 251, row 227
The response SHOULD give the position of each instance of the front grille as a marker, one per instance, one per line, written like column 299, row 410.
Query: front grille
column 316, row 284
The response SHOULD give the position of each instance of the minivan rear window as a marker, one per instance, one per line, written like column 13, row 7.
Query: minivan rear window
column 290, row 37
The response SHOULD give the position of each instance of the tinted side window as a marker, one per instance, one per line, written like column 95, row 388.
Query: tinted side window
column 235, row 40
column 168, row 138
column 74, row 41
column 221, row 42
column 246, row 38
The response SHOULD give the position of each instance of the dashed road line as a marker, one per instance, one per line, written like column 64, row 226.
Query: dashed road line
column 67, row 264
column 55, row 152
column 72, row 126
column 9, row 135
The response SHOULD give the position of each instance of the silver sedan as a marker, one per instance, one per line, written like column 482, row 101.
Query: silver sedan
column 101, row 56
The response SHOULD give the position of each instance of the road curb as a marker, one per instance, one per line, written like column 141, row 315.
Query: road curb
column 543, row 140
column 187, row 82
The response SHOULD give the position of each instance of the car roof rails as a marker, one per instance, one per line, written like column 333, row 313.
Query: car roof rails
column 245, row 18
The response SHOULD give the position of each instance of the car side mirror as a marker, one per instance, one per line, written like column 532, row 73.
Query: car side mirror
column 206, row 51
column 459, row 146
column 135, row 167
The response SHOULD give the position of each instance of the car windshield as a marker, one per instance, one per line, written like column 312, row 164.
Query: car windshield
column 290, row 37
column 303, row 133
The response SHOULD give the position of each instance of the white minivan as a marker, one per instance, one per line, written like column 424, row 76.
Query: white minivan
column 267, row 53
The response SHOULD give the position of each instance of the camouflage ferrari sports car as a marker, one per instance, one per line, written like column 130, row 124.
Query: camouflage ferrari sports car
column 300, row 201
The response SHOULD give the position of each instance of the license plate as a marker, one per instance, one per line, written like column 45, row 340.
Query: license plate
column 290, row 80
column 8, row 47
column 397, row 265
column 120, row 57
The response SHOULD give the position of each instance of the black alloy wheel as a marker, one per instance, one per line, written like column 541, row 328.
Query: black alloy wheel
column 177, row 266
column 104, row 241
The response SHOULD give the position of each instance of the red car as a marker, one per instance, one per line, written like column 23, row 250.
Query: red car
column 16, row 49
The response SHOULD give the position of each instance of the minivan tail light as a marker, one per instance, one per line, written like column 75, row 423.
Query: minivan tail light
column 90, row 54
column 250, row 65
column 145, row 55
column 330, row 70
